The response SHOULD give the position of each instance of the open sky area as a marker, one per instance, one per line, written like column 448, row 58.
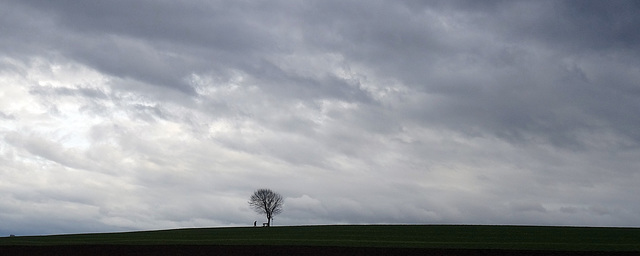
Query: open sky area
column 135, row 115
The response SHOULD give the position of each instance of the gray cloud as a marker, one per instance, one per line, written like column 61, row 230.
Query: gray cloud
column 128, row 115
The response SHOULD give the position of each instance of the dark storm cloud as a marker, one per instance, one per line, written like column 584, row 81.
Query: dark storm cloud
column 514, row 69
column 79, row 92
column 148, row 42
column 583, row 26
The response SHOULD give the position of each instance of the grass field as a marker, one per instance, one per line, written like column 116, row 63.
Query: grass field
column 400, row 236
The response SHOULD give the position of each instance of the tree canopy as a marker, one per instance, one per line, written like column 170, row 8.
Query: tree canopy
column 265, row 201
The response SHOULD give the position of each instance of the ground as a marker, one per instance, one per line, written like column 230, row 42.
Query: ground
column 197, row 250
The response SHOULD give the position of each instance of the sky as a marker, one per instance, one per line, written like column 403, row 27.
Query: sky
column 144, row 115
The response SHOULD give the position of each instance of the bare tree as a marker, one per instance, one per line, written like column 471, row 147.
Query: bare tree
column 267, row 202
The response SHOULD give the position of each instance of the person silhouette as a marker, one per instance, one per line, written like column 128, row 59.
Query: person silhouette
column 254, row 223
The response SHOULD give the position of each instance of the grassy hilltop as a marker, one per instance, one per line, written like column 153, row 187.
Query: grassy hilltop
column 398, row 236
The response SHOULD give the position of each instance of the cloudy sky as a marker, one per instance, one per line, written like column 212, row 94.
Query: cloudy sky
column 137, row 115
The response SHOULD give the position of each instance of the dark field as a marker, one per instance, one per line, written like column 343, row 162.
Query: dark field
column 250, row 250
column 339, row 240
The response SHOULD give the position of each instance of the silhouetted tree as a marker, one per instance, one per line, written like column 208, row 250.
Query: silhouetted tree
column 265, row 201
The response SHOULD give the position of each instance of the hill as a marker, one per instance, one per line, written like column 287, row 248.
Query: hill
column 408, row 237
